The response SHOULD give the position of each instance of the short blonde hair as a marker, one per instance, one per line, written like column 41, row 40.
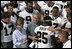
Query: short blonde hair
column 20, row 21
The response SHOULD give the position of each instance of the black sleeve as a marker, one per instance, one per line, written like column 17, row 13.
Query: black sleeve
column 16, row 15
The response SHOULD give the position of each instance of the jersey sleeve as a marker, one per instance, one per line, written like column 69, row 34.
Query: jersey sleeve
column 20, row 14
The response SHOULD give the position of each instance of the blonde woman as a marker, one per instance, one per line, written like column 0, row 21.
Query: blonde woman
column 19, row 35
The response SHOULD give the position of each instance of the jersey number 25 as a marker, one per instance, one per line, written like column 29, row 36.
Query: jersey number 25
column 41, row 35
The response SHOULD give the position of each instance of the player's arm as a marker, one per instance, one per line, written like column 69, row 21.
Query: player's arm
column 36, row 6
column 61, row 27
column 29, row 33
column 54, row 29
column 32, row 37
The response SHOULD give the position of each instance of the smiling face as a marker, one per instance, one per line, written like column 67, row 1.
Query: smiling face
column 54, row 12
column 35, row 18
column 20, row 23
column 10, row 9
column 20, row 26
column 29, row 7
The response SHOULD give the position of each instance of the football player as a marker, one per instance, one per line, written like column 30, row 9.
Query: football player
column 44, row 37
column 27, row 14
column 6, row 33
column 14, row 16
column 49, row 6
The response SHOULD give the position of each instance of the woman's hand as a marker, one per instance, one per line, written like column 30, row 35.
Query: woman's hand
column 25, row 41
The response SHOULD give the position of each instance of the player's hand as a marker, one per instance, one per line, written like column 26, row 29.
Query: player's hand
column 25, row 41
column 51, row 29
column 34, row 38
column 58, row 29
